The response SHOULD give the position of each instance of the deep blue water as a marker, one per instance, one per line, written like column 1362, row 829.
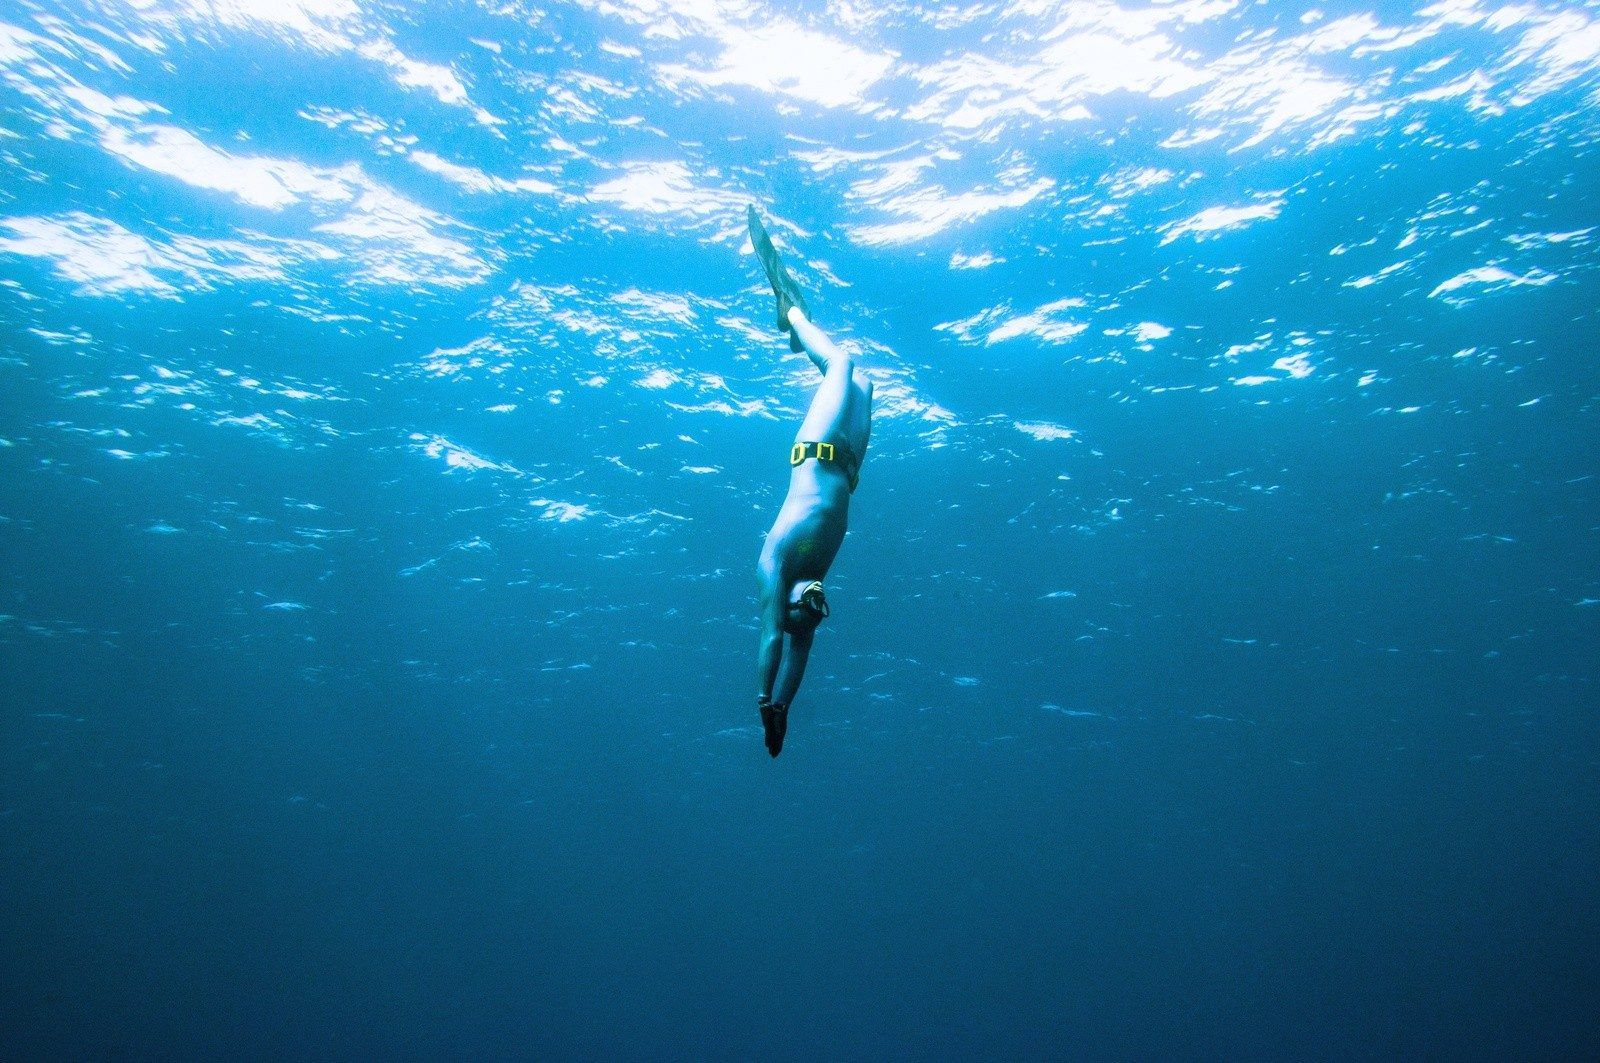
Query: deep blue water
column 390, row 417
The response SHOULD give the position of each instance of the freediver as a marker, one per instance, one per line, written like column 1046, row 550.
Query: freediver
column 825, row 465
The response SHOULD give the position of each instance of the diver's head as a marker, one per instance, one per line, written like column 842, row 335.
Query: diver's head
column 808, row 606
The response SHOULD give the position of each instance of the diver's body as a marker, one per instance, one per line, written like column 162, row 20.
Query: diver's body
column 825, row 463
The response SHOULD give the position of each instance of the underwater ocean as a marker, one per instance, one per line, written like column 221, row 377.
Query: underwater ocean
column 392, row 411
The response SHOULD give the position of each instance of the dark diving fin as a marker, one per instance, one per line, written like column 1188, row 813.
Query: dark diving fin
column 783, row 286
column 775, row 722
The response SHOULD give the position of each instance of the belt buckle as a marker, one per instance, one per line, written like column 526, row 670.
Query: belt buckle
column 797, row 454
column 824, row 456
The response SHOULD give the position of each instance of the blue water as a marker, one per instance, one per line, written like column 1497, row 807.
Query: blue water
column 390, row 417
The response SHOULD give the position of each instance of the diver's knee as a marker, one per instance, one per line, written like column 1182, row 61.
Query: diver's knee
column 838, row 361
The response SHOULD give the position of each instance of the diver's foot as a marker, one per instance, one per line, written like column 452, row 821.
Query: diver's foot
column 775, row 722
column 784, row 288
column 784, row 306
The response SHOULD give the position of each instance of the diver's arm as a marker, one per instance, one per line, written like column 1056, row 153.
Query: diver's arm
column 770, row 651
column 794, row 668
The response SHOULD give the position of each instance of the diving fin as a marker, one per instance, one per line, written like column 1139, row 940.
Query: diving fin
column 775, row 722
column 783, row 286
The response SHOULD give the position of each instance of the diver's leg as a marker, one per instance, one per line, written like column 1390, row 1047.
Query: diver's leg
column 830, row 406
column 818, row 347
column 860, row 406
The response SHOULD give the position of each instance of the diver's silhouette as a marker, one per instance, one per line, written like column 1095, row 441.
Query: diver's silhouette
column 825, row 464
